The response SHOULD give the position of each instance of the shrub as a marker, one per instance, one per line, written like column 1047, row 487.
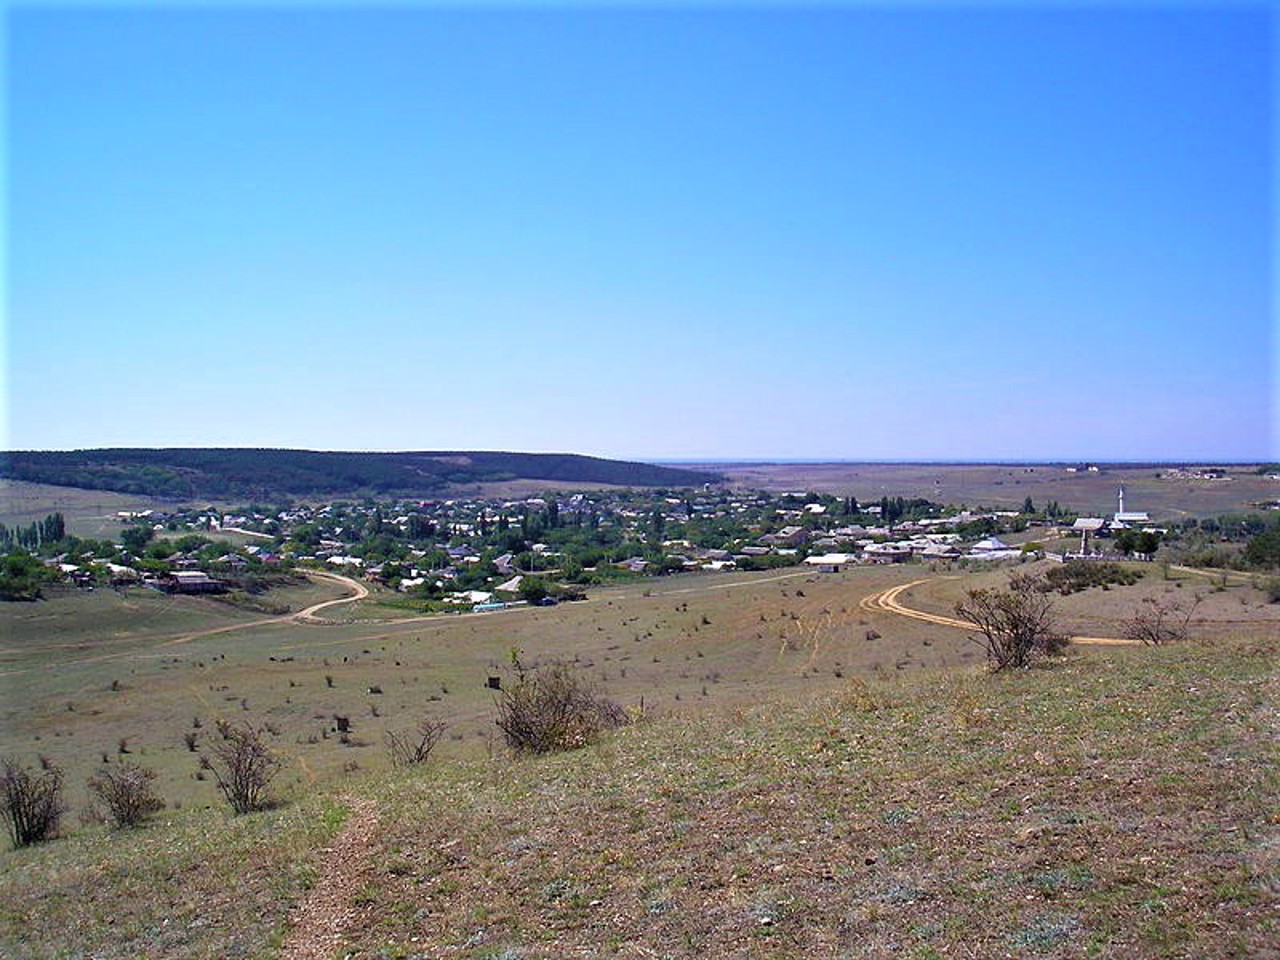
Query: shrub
column 1076, row 575
column 127, row 791
column 553, row 708
column 1016, row 623
column 409, row 747
column 1158, row 622
column 244, row 767
column 30, row 802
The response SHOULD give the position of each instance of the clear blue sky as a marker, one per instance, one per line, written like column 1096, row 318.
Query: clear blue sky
column 836, row 232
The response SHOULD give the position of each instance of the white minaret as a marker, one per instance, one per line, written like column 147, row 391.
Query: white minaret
column 1121, row 497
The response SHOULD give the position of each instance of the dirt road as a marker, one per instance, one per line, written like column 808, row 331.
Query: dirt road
column 886, row 601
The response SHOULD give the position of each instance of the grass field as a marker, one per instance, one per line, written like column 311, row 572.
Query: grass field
column 1117, row 804
column 80, row 673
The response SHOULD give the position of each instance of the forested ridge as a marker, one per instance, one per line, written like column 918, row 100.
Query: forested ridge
column 238, row 472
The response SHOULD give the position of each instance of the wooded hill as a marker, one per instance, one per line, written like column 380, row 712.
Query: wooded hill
column 222, row 473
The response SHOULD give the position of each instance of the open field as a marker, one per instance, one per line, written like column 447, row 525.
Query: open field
column 1007, row 485
column 89, row 513
column 80, row 673
column 1115, row 804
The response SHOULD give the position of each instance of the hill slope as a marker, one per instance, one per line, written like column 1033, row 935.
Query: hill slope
column 243, row 473
column 1116, row 804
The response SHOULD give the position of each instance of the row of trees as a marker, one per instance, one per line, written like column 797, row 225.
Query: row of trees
column 35, row 535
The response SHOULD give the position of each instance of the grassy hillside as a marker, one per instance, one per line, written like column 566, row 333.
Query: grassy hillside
column 240, row 473
column 1119, row 803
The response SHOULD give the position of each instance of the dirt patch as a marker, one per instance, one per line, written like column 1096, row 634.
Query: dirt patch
column 321, row 922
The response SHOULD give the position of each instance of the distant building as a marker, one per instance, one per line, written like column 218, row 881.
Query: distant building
column 1124, row 517
column 193, row 581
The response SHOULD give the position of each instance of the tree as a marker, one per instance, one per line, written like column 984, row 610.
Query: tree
column 135, row 538
column 1016, row 623
column 21, row 576
column 1028, row 506
column 1264, row 549
column 532, row 589
column 31, row 803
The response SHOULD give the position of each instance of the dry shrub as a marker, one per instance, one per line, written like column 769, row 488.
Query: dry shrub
column 244, row 767
column 857, row 696
column 1016, row 623
column 128, row 792
column 410, row 747
column 31, row 802
column 553, row 708
column 1160, row 621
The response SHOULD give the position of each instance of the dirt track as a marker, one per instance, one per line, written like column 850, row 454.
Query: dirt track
column 886, row 601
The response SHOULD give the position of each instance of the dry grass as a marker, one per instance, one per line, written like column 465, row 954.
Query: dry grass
column 1116, row 806
column 1116, row 803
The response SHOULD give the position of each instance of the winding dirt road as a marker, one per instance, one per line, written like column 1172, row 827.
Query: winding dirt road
column 886, row 601
column 359, row 592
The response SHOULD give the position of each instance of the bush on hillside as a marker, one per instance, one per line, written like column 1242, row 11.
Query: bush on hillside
column 1160, row 620
column 244, row 767
column 128, row 793
column 1076, row 575
column 1016, row 623
column 410, row 747
column 30, row 802
column 553, row 708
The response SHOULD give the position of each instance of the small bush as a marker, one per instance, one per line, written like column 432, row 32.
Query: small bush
column 244, row 767
column 410, row 747
column 552, row 708
column 1158, row 622
column 127, row 791
column 30, row 802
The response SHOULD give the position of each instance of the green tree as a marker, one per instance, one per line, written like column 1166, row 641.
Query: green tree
column 533, row 589
column 21, row 576
column 136, row 538
column 1264, row 549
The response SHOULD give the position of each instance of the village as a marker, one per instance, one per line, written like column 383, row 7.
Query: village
column 488, row 553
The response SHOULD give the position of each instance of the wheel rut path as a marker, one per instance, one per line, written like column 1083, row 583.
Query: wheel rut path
column 886, row 601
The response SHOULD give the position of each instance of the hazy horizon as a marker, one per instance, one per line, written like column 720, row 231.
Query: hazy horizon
column 897, row 233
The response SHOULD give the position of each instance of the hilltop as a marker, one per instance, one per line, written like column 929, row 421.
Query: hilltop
column 222, row 473
column 1116, row 804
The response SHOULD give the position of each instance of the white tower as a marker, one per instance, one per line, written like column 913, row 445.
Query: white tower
column 1121, row 510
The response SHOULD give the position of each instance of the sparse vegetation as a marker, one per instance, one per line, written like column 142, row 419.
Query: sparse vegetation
column 243, row 766
column 30, row 802
column 1160, row 620
column 409, row 747
column 1016, row 622
column 1076, row 575
column 552, row 708
column 127, row 791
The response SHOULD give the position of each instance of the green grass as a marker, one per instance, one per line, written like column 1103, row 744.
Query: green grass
column 192, row 884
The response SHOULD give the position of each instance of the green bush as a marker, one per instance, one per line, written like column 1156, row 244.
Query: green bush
column 1076, row 575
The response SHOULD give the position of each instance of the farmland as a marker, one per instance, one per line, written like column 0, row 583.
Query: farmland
column 848, row 707
column 1161, row 490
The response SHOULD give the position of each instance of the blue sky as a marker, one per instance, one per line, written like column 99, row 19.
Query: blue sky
column 855, row 232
